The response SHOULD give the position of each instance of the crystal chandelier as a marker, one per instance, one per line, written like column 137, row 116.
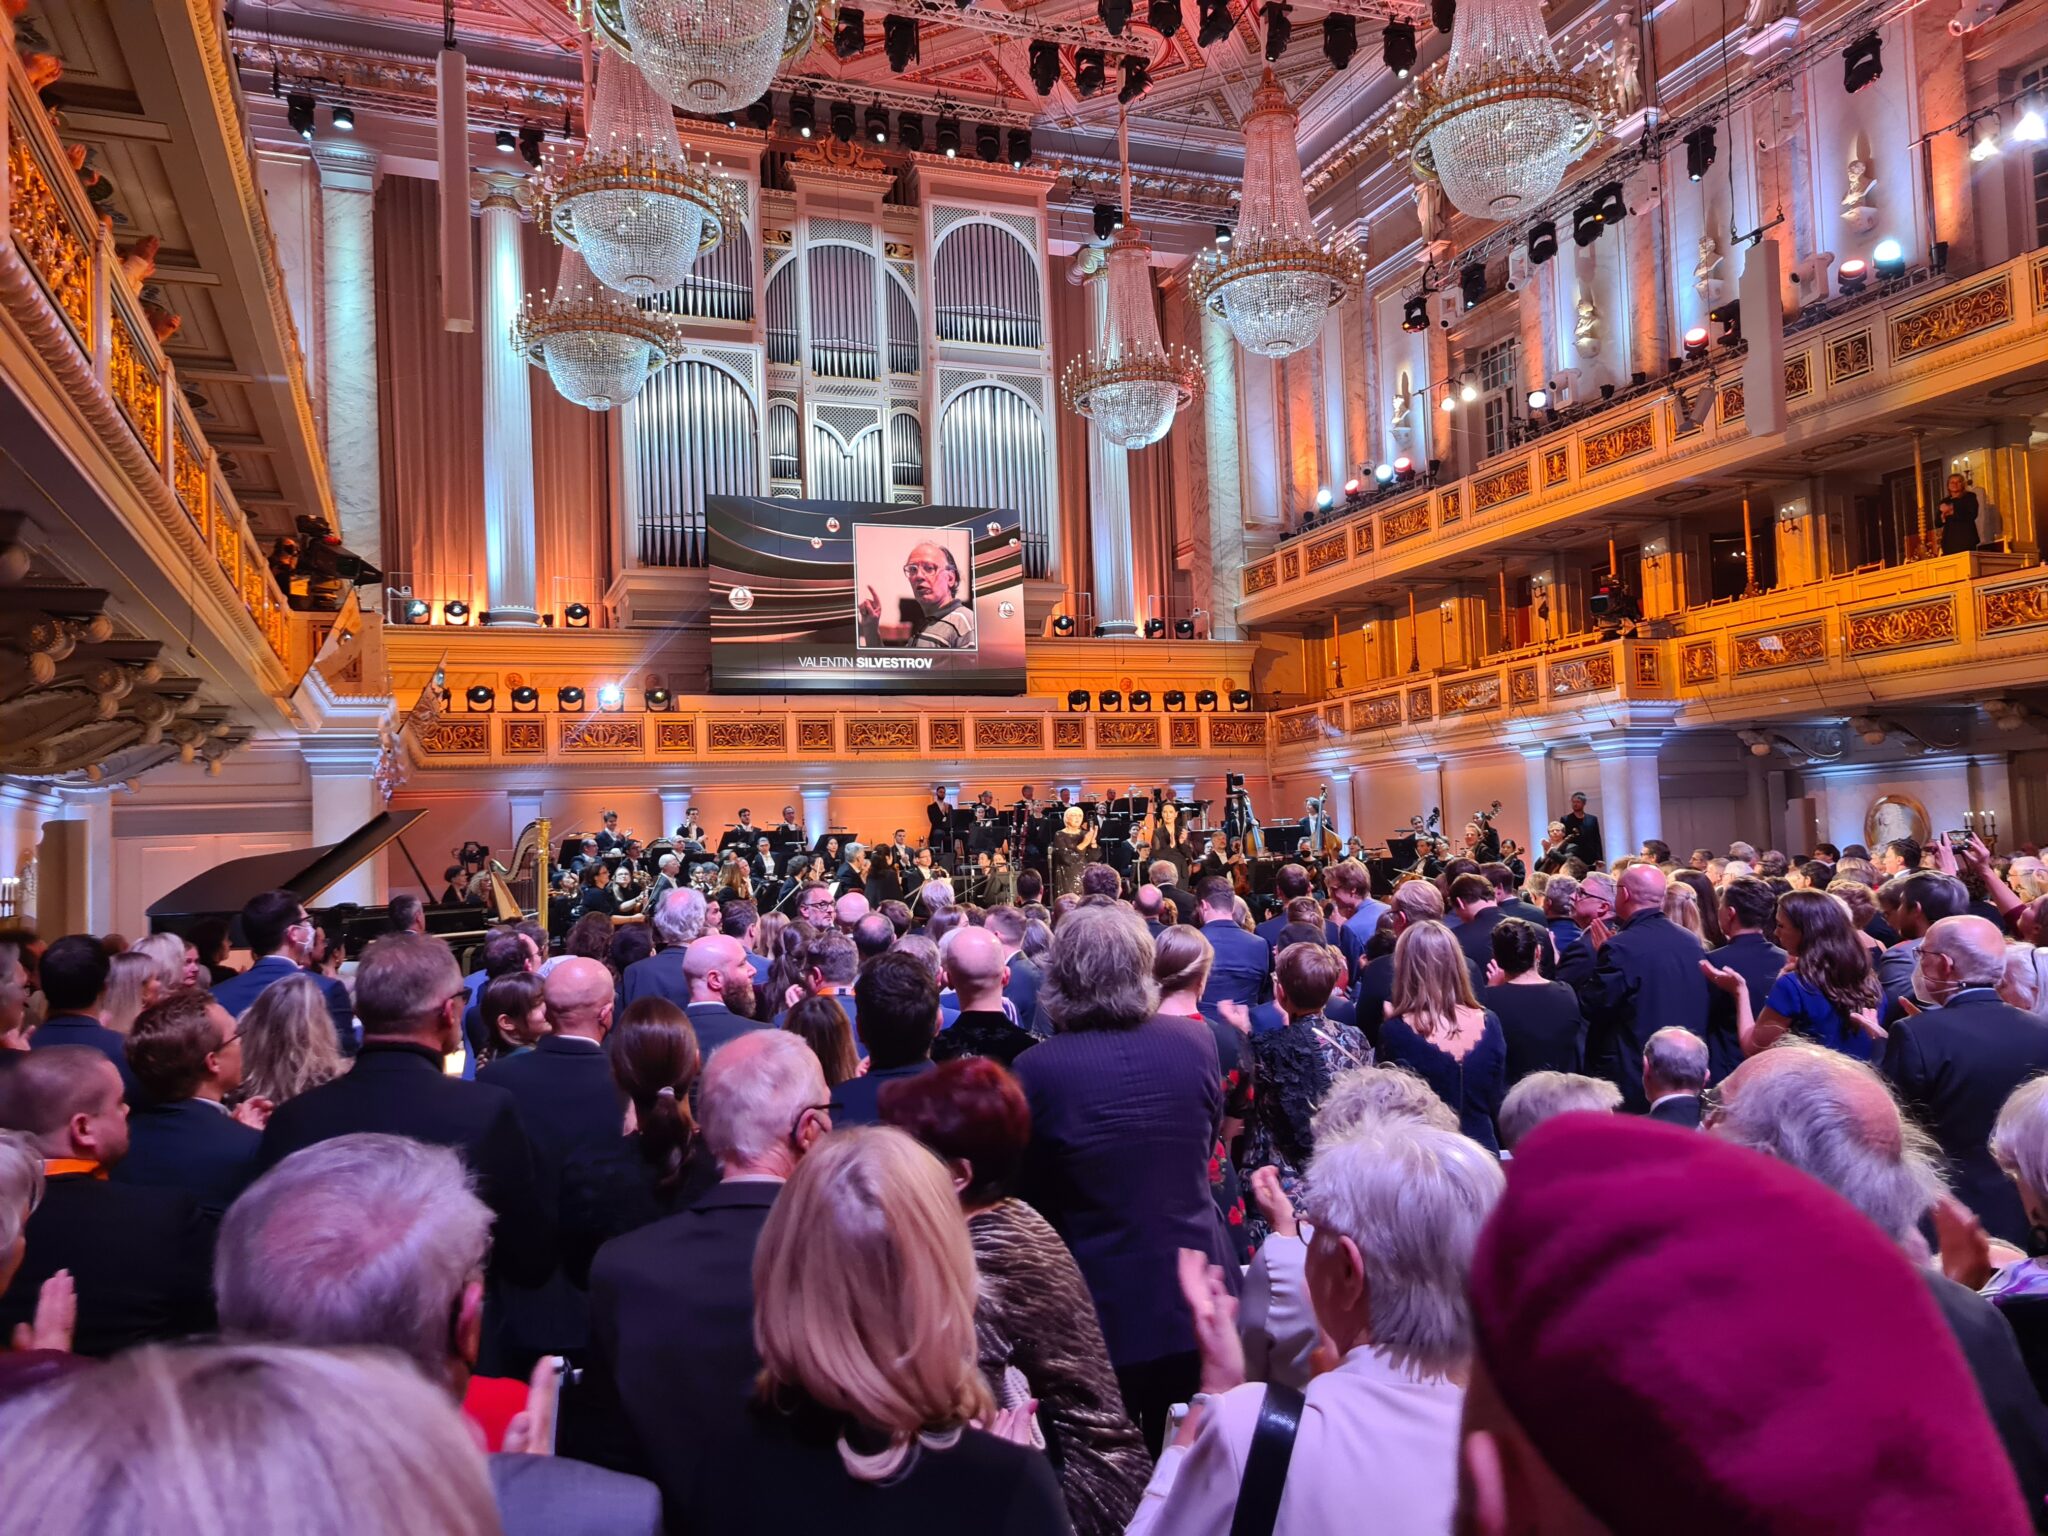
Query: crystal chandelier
column 597, row 346
column 1499, row 121
column 1279, row 279
column 631, row 201
column 706, row 55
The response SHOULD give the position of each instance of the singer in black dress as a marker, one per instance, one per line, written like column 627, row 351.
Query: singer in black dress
column 1072, row 847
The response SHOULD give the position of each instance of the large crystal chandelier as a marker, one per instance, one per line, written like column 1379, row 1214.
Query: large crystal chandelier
column 706, row 55
column 1279, row 279
column 597, row 346
column 1130, row 384
column 1499, row 121
column 631, row 201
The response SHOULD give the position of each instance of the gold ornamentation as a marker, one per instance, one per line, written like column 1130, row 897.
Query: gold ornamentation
column 896, row 250
column 1581, row 674
column 1612, row 445
column 1237, row 732
column 54, row 251
column 2021, row 607
column 1419, row 705
column 1469, row 695
column 885, row 733
column 1404, row 523
column 1849, row 357
column 135, row 385
column 1732, row 402
column 524, row 737
column 1068, row 735
column 227, row 548
column 2041, row 282
column 948, row 734
column 746, row 736
column 1008, row 735
column 1290, row 565
column 1361, row 538
column 1259, row 577
column 1183, row 732
column 1889, row 629
column 675, row 736
column 1377, row 713
column 1522, row 685
column 1698, row 662
column 1799, row 376
column 814, row 735
column 450, row 738
column 1327, row 551
column 601, row 735
column 1452, row 506
column 1557, row 465
column 1302, row 725
column 1503, row 485
column 1795, row 645
column 1950, row 319
column 1646, row 666
column 188, row 476
column 1138, row 731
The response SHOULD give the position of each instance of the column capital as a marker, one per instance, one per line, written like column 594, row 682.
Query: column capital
column 1628, row 741
column 347, row 167
column 502, row 189
column 1536, row 752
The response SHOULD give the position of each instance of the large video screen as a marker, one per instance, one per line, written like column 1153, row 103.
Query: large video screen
column 820, row 596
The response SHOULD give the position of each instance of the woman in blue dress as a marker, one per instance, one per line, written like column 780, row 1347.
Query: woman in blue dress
column 1827, row 992
column 1438, row 1030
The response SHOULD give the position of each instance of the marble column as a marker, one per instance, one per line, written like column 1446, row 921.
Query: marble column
column 95, row 807
column 817, row 799
column 1617, row 830
column 1109, row 483
column 675, row 801
column 1340, row 803
column 1226, row 489
column 1631, row 798
column 345, row 796
column 1536, row 770
column 348, row 363
column 508, row 409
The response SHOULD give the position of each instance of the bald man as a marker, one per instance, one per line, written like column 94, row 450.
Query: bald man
column 848, row 910
column 721, row 985
column 972, row 965
column 946, row 621
column 563, row 1086
column 1956, row 1063
column 1646, row 977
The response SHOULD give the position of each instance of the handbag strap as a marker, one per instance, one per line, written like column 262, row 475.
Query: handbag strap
column 1265, row 1466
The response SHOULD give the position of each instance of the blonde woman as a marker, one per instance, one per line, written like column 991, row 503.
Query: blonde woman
column 177, row 963
column 1682, row 907
column 1439, row 1030
column 288, row 1042
column 871, row 1391
column 132, row 985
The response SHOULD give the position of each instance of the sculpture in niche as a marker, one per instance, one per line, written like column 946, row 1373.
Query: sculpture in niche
column 1764, row 13
column 1586, row 329
column 1400, row 423
column 1627, row 90
column 1706, row 279
column 1429, row 214
column 1859, row 211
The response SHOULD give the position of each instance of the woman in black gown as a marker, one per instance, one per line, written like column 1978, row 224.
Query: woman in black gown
column 1071, row 847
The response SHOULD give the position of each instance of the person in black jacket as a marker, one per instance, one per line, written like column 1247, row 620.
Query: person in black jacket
column 1545, row 1030
column 186, row 1052
column 1674, row 1077
column 1647, row 976
column 1582, row 833
column 137, row 1256
column 73, row 975
column 1749, row 916
column 410, row 996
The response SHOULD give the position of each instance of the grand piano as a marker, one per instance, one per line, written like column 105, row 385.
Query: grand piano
column 516, row 890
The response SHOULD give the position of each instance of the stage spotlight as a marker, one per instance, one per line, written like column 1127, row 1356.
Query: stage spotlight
column 1696, row 342
column 570, row 697
column 2032, row 128
column 1279, row 29
column 1325, row 498
column 299, row 107
column 1889, row 258
column 1542, row 242
column 1612, row 205
column 1443, row 15
column 1854, row 273
column 878, row 124
column 1383, row 473
column 1044, row 59
column 1340, row 39
column 456, row 612
column 525, row 700
column 899, row 41
column 949, row 137
column 530, row 141
column 910, row 131
column 1020, row 147
column 850, row 33
column 1176, row 698
column 1107, row 220
column 1223, row 234
column 1404, row 467
column 344, row 119
column 576, row 616
column 1240, row 700
column 1183, row 629
column 1351, row 487
column 611, row 698
column 1397, row 48
column 1063, row 625
column 842, row 121
column 507, row 142
column 1862, row 62
column 1983, row 137
column 1111, row 699
column 1468, row 389
column 803, row 114
column 1415, row 314
column 1472, row 283
column 481, row 696
column 1137, row 76
column 988, row 142
column 1088, row 72
column 1729, row 317
column 761, row 115
column 660, row 699
column 1448, row 404
column 418, row 610
column 1205, row 701
column 1155, row 629
column 1699, row 152
column 1163, row 16
column 1213, row 22
column 1078, row 700
column 1141, row 698
column 1115, row 15
column 1586, row 225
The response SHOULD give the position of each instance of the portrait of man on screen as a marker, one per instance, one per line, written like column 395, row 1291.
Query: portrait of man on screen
column 939, row 613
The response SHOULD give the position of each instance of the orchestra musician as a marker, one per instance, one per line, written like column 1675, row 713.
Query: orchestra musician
column 1216, row 860
column 742, row 836
column 791, row 830
column 1072, row 847
column 999, row 882
column 609, row 839
column 885, row 876
column 940, row 815
column 922, row 867
column 691, row 832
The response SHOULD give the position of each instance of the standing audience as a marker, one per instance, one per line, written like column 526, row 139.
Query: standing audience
column 1438, row 1030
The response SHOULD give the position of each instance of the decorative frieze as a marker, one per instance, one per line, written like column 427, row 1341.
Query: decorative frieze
column 1522, row 687
column 590, row 737
column 882, row 733
column 1789, row 646
column 1376, row 713
column 1326, row 552
column 2020, row 607
column 1932, row 622
column 1290, row 564
column 1581, row 674
column 1303, row 725
column 1420, row 705
column 747, row 736
column 1469, row 695
column 522, row 736
column 1451, row 506
column 456, row 738
column 1184, row 733
column 1849, row 357
column 1732, row 402
column 1952, row 318
column 188, row 476
column 135, row 385
column 1503, row 485
column 1009, row 734
column 1557, row 465
column 1261, row 576
column 1237, row 731
column 814, row 735
column 1798, row 376
column 1698, row 662
column 675, row 736
column 1404, row 523
column 1613, row 445
column 1069, row 735
column 1127, row 731
column 59, row 255
column 1361, row 537
column 948, row 733
column 1646, row 667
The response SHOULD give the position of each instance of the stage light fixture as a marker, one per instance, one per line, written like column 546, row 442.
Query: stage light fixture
column 530, row 140
column 1107, row 220
column 1696, row 342
column 1325, row 498
column 456, row 612
column 1183, row 629
column 1020, row 148
column 1155, row 629
column 803, row 114
column 2032, row 128
column 899, row 41
column 1163, row 16
column 1079, row 699
column 1472, row 283
column 1213, row 23
column 1983, row 137
column 1141, row 698
column 1415, row 314
column 1205, row 701
column 910, row 131
column 1729, row 317
column 1351, row 487
column 761, row 115
column 525, row 700
column 576, row 616
column 1443, row 15
column 1240, row 700
column 1586, row 225
column 1612, row 204
column 1889, row 258
column 570, row 697
column 1539, row 399
column 1468, row 388
column 1088, row 72
column 988, row 142
column 1383, row 473
column 418, row 610
column 1115, row 15
column 481, row 696
column 1044, row 60
column 507, row 142
column 878, row 124
column 1404, row 467
column 1853, row 274
column 1448, row 404
column 1397, row 48
column 949, row 137
column 1279, row 28
column 660, row 699
column 344, row 119
column 842, row 121
column 611, row 698
column 1223, row 234
column 1176, row 698
column 1862, row 62
column 1137, row 76
column 1542, row 242
column 1340, row 39
column 1111, row 699
column 299, row 107
column 1063, row 625
column 1699, row 152
column 849, row 33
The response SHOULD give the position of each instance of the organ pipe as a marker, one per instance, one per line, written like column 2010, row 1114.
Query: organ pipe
column 696, row 435
column 992, row 453
column 985, row 288
column 842, row 301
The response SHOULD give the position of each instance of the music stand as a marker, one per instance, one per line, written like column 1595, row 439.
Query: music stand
column 1282, row 840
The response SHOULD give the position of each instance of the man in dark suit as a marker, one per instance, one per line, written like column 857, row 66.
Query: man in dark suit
column 73, row 973
column 1007, row 924
column 280, row 935
column 1165, row 874
column 1923, row 898
column 1148, row 902
column 1648, row 975
column 672, row 1304
column 1582, row 833
column 608, row 837
column 369, row 1283
column 897, row 1020
column 186, row 1052
column 939, row 816
column 1674, row 1077
column 677, row 919
column 138, row 1256
column 1749, row 917
column 721, row 991
column 1956, row 1064
column 1243, row 969
column 409, row 996
column 563, row 1086
column 1473, row 902
column 1507, row 893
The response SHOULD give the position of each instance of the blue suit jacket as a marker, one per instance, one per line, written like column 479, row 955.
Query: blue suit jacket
column 1243, row 969
column 238, row 992
column 193, row 1146
column 659, row 975
column 86, row 1029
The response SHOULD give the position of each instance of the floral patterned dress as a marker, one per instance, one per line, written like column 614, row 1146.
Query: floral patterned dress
column 1293, row 1066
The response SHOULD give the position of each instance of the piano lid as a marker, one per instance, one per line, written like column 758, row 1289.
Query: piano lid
column 305, row 872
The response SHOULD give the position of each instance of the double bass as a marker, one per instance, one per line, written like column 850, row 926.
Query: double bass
column 1328, row 845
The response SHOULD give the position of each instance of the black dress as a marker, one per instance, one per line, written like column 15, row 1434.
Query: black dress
column 1544, row 1028
column 611, row 1189
column 1068, row 860
column 1472, row 1085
